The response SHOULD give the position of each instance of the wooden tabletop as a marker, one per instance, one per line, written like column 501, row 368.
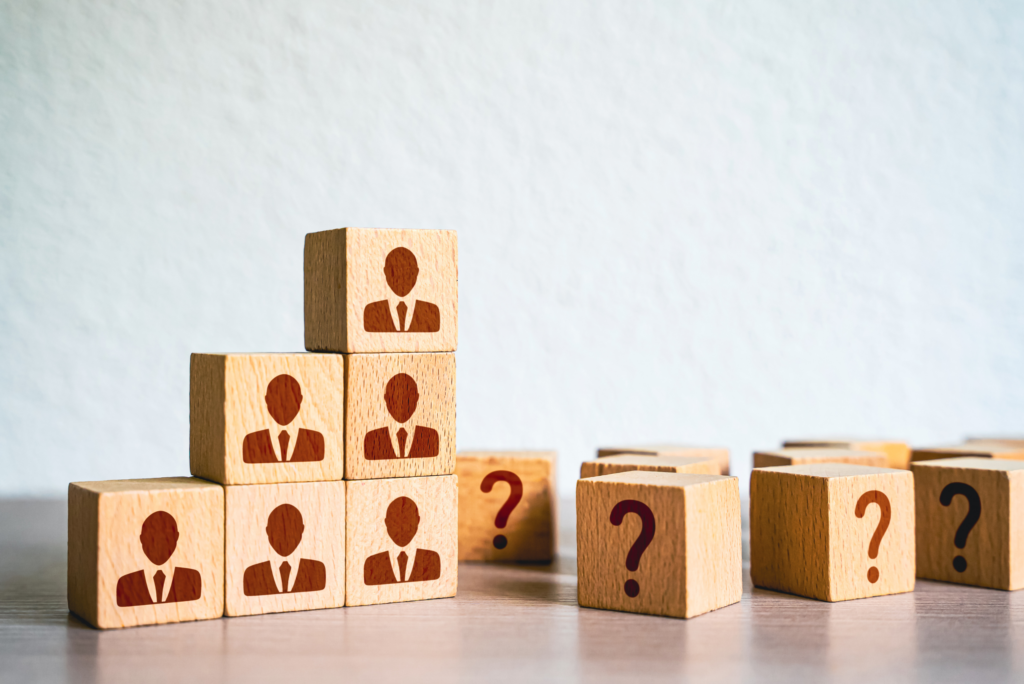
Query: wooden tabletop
column 507, row 624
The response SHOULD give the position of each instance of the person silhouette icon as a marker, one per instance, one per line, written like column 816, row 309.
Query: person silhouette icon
column 402, row 522
column 284, row 398
column 284, row 532
column 401, row 396
column 401, row 272
column 159, row 538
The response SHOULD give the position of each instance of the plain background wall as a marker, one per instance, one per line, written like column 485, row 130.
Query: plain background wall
column 711, row 222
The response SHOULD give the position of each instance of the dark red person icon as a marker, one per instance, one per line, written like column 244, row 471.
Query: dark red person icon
column 401, row 396
column 159, row 539
column 402, row 521
column 401, row 271
column 284, row 532
column 284, row 397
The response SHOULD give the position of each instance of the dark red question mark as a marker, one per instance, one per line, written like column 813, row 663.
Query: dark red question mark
column 973, row 514
column 642, row 542
column 516, row 485
column 865, row 500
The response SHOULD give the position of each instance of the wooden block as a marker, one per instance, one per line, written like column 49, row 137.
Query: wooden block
column 700, row 465
column 400, row 415
column 679, row 554
column 897, row 454
column 720, row 454
column 968, row 521
column 244, row 407
column 373, row 291
column 803, row 455
column 507, row 505
column 996, row 450
column 410, row 519
column 832, row 531
column 1004, row 441
column 280, row 533
column 127, row 539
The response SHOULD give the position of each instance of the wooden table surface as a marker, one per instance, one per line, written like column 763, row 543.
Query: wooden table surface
column 507, row 624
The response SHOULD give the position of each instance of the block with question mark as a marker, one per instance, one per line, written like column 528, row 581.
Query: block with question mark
column 720, row 454
column 658, row 543
column 621, row 463
column 801, row 456
column 832, row 531
column 966, row 508
column 897, row 454
column 1002, row 450
column 507, row 505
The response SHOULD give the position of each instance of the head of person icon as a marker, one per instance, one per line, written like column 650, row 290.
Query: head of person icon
column 401, row 271
column 159, row 537
column 402, row 520
column 284, row 398
column 284, row 529
column 401, row 396
column 284, row 532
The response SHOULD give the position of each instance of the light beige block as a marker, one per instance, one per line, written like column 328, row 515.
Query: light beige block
column 820, row 530
column 608, row 465
column 129, row 538
column 692, row 562
column 970, row 521
column 355, row 279
column 391, row 395
column 980, row 449
column 515, row 518
column 720, row 454
column 284, row 532
column 414, row 516
column 241, row 404
column 801, row 456
column 897, row 453
column 1005, row 441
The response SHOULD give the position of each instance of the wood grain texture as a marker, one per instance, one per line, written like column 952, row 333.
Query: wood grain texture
column 806, row 539
column 228, row 402
column 367, row 411
column 105, row 550
column 1001, row 450
column 622, row 463
column 720, row 454
column 530, row 532
column 804, row 455
column 994, row 548
column 344, row 272
column 368, row 535
column 320, row 545
column 693, row 563
column 897, row 453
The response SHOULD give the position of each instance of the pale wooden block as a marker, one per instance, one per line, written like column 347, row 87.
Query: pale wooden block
column 813, row 530
column 622, row 463
column 986, row 550
column 692, row 563
column 516, row 518
column 1006, row 441
column 415, row 516
column 720, row 454
column 804, row 455
column 897, row 453
column 128, row 538
column 355, row 279
column 240, row 404
column 980, row 449
column 389, row 395
column 267, row 526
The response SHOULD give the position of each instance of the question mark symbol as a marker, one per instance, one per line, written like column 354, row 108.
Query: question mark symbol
column 865, row 500
column 642, row 542
column 514, row 496
column 973, row 513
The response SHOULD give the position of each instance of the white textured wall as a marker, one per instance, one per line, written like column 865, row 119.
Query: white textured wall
column 705, row 221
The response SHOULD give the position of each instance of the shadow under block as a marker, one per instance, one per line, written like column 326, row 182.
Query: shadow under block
column 805, row 455
column 989, row 553
column 128, row 538
column 623, row 463
column 391, row 395
column 240, row 404
column 410, row 521
column 721, row 455
column 807, row 539
column 520, row 494
column 355, row 279
column 692, row 563
column 1002, row 450
column 897, row 454
column 301, row 524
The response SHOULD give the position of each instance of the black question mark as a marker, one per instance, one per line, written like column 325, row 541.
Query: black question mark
column 973, row 513
column 642, row 542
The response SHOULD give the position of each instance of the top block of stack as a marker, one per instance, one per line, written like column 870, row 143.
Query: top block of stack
column 380, row 291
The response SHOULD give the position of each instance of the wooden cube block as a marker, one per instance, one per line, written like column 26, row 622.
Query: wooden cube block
column 622, row 463
column 981, row 449
column 145, row 552
column 373, row 291
column 267, row 418
column 400, row 415
column 800, row 456
column 401, row 539
column 832, row 531
column 679, row 553
column 897, row 454
column 285, row 547
column 1004, row 441
column 507, row 505
column 968, row 521
column 721, row 455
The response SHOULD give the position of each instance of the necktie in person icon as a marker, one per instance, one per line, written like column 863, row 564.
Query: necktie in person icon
column 402, row 436
column 286, row 571
column 403, row 559
column 283, row 439
column 402, row 309
column 158, row 583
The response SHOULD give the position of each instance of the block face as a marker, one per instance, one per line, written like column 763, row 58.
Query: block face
column 284, row 531
column 897, row 454
column 692, row 561
column 996, row 450
column 721, row 455
column 805, row 455
column 520, row 494
column 401, row 539
column 159, row 551
column 381, row 290
column 400, row 415
column 622, row 463
column 244, row 408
